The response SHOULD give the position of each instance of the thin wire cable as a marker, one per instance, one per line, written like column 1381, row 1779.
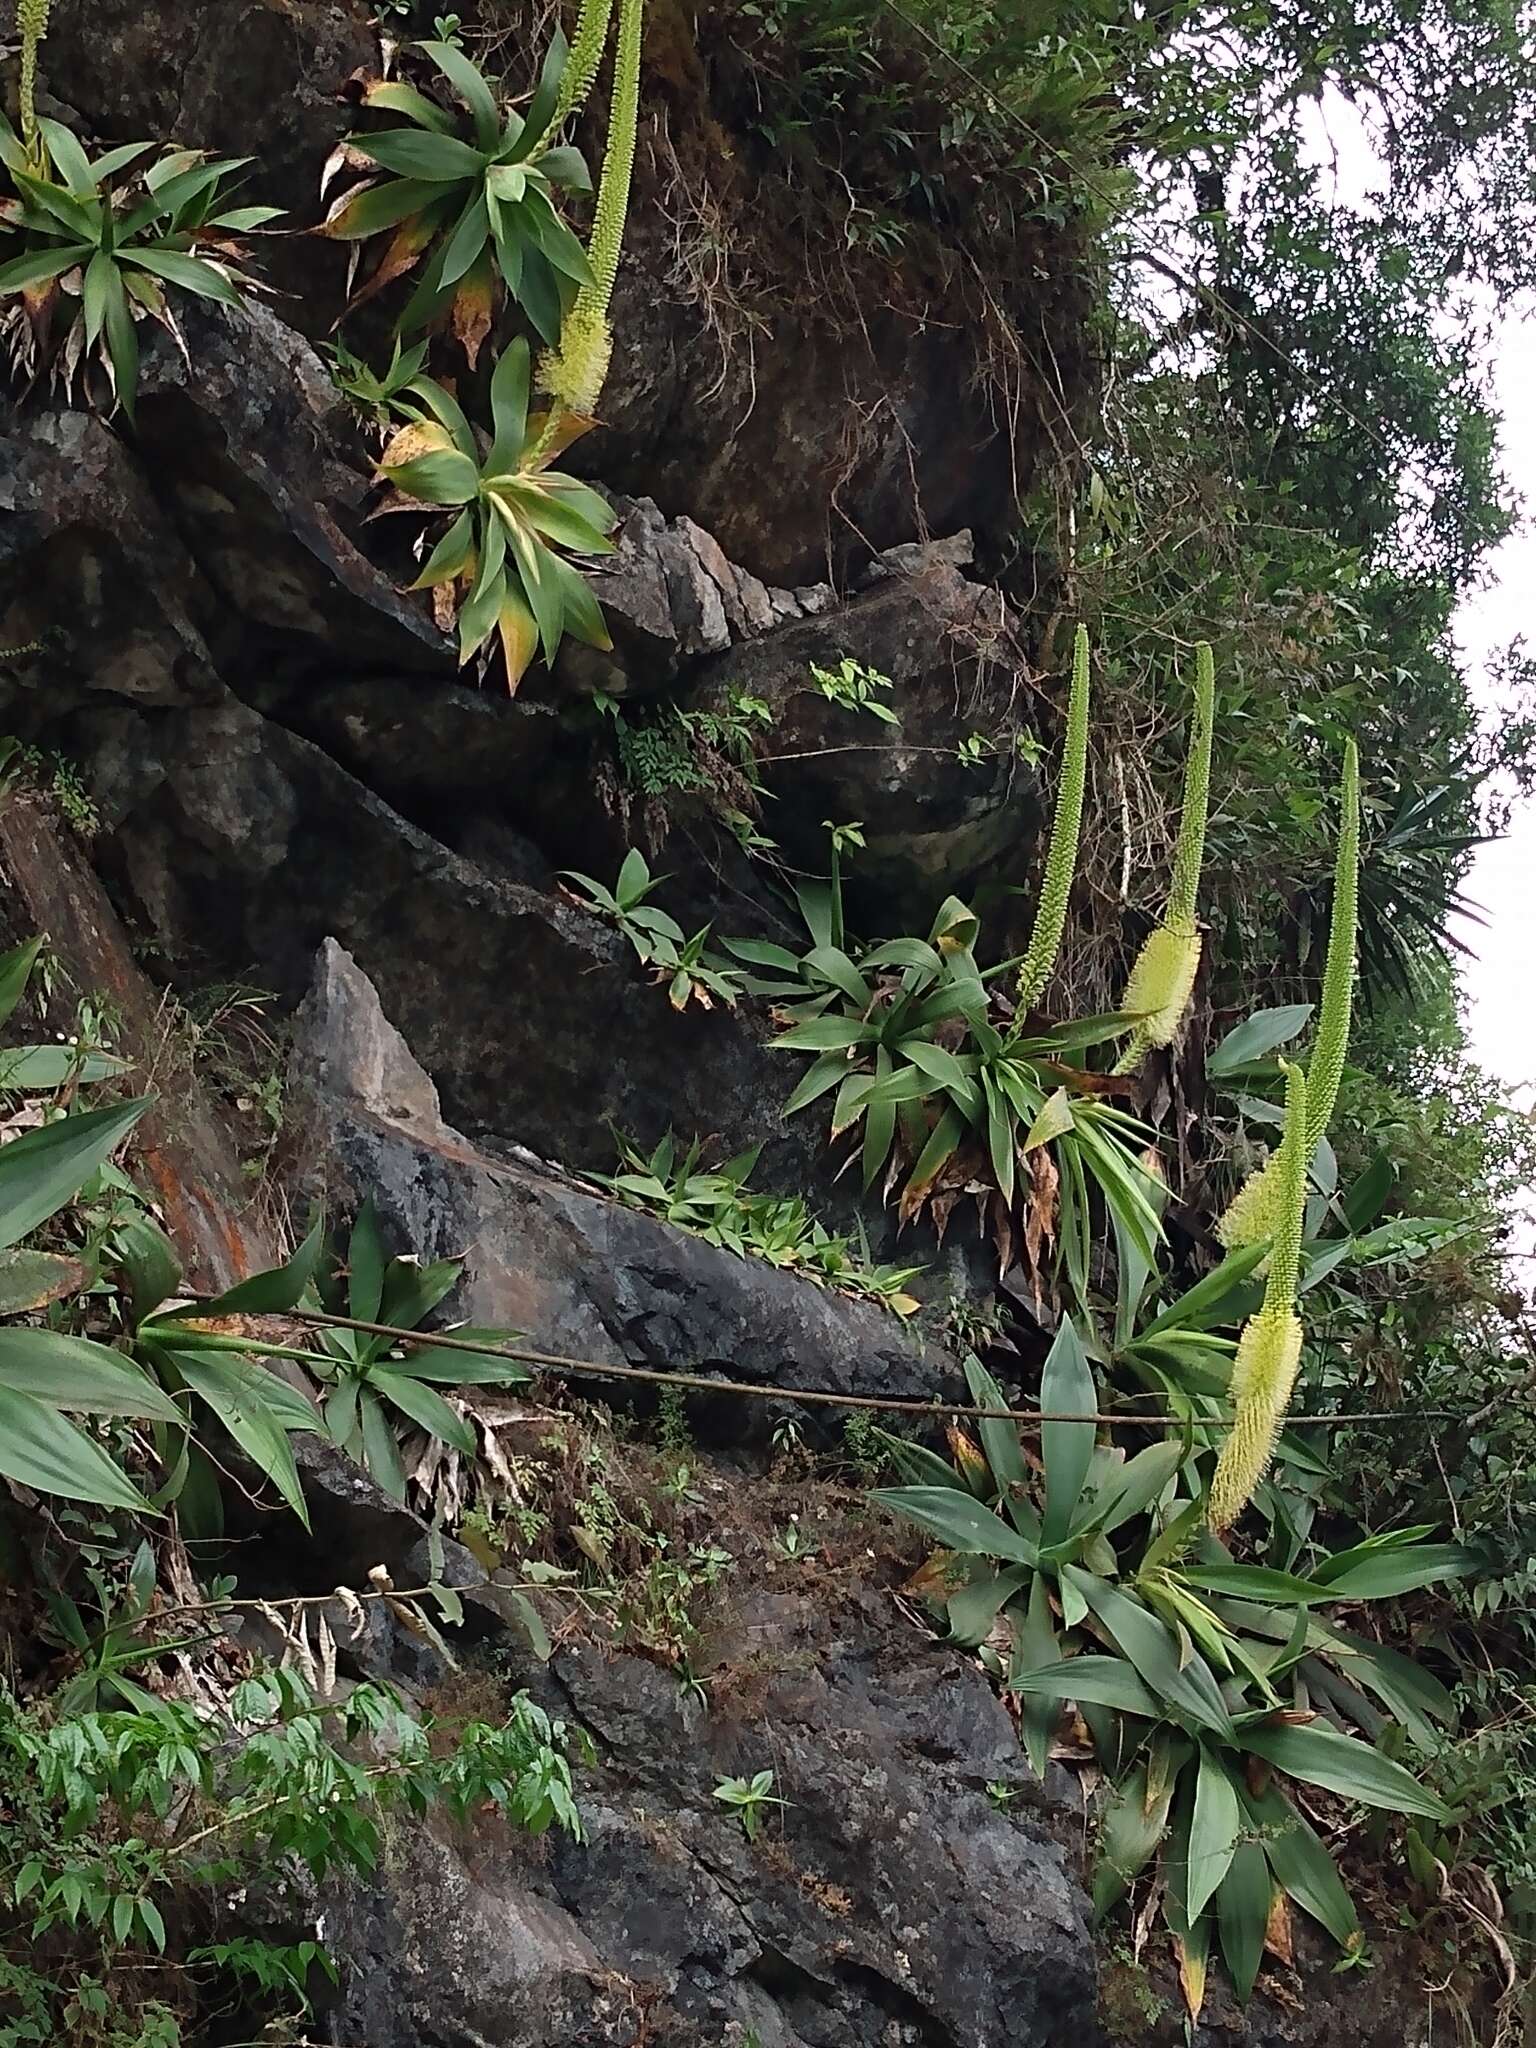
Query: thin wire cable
column 549, row 1361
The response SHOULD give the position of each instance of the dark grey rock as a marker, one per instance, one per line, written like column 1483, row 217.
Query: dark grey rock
column 889, row 1901
column 582, row 1276
column 239, row 843
column 933, row 825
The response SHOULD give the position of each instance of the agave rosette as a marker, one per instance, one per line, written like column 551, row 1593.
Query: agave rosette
column 467, row 202
column 498, row 562
column 106, row 237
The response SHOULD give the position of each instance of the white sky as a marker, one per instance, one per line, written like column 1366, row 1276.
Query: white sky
column 1500, row 982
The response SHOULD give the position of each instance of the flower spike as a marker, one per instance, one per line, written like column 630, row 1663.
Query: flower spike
column 1163, row 978
column 1269, row 1349
column 1061, row 859
column 575, row 372
column 1254, row 1214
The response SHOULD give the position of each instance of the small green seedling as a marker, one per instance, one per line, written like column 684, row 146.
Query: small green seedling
column 748, row 1797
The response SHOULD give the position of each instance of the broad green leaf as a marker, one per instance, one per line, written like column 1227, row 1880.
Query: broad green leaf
column 1217, row 1298
column 149, row 1263
column 413, row 1288
column 190, row 273
column 509, row 406
column 1186, row 1685
column 249, row 1414
column 1213, row 1832
column 958, row 1521
column 451, row 1367
column 824, row 1034
column 1255, row 1038
column 1096, row 1681
column 42, row 1170
column 1066, row 1388
column 1138, row 1483
column 365, row 1265
column 1255, row 1582
column 938, row 1064
column 39, row 266
column 442, row 477
column 40, row 1449
column 1055, row 1118
column 273, row 1292
column 377, row 207
column 1005, row 1455
column 1135, row 1822
column 380, row 1449
column 916, row 1463
column 1242, row 1913
column 451, row 556
column 1034, row 1648
column 426, row 1408
column 1339, row 1763
column 971, row 1610
column 31, row 1280
column 50, row 1066
column 15, row 971
column 396, row 98
column 467, row 239
column 1302, row 1865
column 1382, row 1574
column 468, row 81
column 74, row 1373
column 417, row 153
column 122, row 339
column 528, row 1618
column 1418, row 1700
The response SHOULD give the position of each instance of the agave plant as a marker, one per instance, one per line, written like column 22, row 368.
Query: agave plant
column 497, row 563
column 102, row 240
column 1205, row 1684
column 467, row 199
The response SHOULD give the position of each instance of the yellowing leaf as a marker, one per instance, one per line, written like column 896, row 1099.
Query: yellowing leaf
column 1192, row 1971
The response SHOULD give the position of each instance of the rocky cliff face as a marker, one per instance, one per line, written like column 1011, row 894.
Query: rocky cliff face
column 290, row 785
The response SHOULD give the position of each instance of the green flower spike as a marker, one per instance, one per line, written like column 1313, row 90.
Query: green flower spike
column 1253, row 1214
column 32, row 21
column 587, row 47
column 1163, row 978
column 574, row 373
column 1269, row 1349
column 1061, row 860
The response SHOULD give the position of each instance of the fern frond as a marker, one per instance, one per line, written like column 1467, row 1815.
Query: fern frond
column 575, row 372
column 1269, row 1348
column 1061, row 858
